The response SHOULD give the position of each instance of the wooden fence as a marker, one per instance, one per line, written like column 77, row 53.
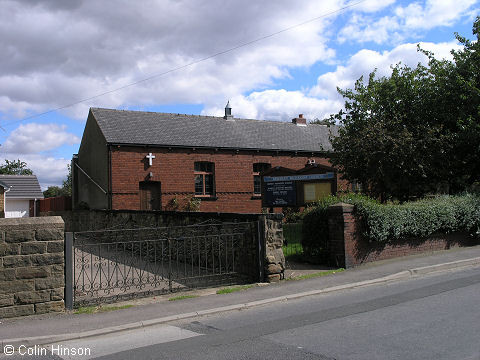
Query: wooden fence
column 57, row 203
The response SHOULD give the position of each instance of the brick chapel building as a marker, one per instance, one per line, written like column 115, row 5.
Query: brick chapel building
column 159, row 161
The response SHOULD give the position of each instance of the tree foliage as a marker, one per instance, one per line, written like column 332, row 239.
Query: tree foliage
column 65, row 190
column 406, row 134
column 67, row 183
column 15, row 167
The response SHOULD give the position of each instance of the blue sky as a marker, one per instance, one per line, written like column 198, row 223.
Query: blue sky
column 57, row 53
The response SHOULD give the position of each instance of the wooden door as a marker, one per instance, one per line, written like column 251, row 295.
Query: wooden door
column 150, row 195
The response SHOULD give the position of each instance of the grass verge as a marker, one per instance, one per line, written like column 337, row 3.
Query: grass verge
column 97, row 309
column 319, row 274
column 234, row 289
column 182, row 297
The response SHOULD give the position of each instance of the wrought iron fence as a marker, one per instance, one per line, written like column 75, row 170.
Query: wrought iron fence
column 292, row 243
column 110, row 265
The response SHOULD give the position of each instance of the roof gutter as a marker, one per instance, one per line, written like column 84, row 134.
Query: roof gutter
column 24, row 197
column 221, row 148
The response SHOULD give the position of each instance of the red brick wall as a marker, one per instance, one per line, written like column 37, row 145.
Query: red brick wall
column 174, row 169
column 348, row 248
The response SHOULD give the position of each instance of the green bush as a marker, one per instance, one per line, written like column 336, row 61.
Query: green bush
column 383, row 222
column 386, row 222
column 292, row 215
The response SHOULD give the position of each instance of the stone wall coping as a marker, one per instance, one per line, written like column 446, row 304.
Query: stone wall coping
column 272, row 216
column 31, row 223
column 343, row 207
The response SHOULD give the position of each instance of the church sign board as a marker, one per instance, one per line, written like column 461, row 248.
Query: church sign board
column 280, row 193
column 286, row 187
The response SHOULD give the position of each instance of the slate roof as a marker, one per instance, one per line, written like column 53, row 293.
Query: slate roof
column 178, row 130
column 21, row 186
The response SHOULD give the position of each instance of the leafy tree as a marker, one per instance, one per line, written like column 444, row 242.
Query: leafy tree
column 384, row 141
column 317, row 121
column 65, row 190
column 15, row 167
column 458, row 83
column 53, row 191
column 405, row 134
column 67, row 183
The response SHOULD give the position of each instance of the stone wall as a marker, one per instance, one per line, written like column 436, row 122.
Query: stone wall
column 31, row 266
column 273, row 262
column 347, row 247
column 274, row 259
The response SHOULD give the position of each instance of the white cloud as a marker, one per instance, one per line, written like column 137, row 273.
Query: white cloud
column 406, row 21
column 362, row 29
column 323, row 99
column 280, row 105
column 49, row 170
column 34, row 138
column 57, row 52
column 54, row 54
column 365, row 61
column 35, row 144
column 373, row 5
column 434, row 13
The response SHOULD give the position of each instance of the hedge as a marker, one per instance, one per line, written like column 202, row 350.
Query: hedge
column 385, row 222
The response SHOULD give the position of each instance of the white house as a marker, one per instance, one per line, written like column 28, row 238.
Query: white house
column 18, row 195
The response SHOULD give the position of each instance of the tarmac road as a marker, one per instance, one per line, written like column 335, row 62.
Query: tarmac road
column 430, row 317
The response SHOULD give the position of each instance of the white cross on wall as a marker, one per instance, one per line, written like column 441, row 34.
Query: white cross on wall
column 150, row 157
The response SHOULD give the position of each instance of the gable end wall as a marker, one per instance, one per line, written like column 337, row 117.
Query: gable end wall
column 93, row 159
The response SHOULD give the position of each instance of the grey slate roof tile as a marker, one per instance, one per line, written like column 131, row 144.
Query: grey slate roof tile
column 165, row 129
column 22, row 186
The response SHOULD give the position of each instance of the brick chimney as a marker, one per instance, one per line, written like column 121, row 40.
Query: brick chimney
column 300, row 121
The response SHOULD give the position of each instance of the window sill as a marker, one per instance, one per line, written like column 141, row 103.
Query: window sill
column 256, row 197
column 205, row 198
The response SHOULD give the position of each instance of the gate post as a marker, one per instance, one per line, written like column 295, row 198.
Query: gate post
column 170, row 265
column 261, row 248
column 69, row 271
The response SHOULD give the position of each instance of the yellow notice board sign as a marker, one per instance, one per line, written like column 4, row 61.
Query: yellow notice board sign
column 316, row 191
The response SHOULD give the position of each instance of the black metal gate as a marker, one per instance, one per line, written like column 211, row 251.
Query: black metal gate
column 117, row 264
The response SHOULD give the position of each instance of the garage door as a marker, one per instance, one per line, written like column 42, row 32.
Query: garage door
column 17, row 208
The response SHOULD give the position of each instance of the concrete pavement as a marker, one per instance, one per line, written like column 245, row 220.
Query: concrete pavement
column 51, row 328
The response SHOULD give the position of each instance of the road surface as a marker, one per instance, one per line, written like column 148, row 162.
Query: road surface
column 434, row 317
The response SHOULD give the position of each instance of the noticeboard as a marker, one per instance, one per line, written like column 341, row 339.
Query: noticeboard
column 280, row 193
column 316, row 191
